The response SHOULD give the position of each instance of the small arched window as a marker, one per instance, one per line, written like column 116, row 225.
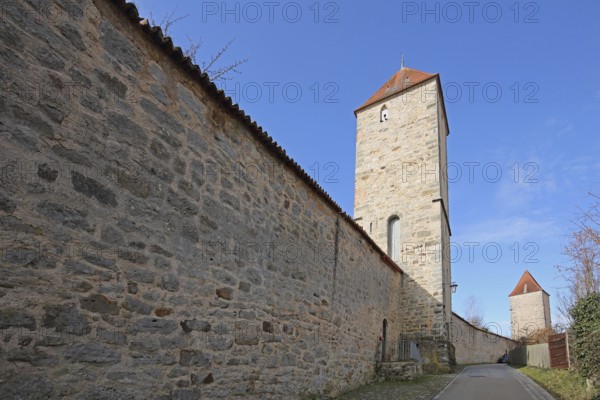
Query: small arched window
column 384, row 114
column 394, row 239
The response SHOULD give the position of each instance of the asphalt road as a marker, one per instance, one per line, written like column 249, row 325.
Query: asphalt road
column 492, row 382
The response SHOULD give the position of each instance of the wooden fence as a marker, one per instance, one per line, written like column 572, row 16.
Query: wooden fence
column 534, row 355
column 558, row 349
column 554, row 354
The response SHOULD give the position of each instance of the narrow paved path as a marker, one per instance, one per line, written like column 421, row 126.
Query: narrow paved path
column 476, row 382
column 493, row 382
column 424, row 388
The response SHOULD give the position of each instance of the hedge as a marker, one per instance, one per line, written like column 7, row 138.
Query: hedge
column 586, row 314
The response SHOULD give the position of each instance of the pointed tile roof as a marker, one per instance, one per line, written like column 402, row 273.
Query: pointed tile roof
column 402, row 80
column 532, row 285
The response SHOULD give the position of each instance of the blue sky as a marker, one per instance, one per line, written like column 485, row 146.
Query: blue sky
column 522, row 94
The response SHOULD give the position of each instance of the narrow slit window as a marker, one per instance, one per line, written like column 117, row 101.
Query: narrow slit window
column 384, row 115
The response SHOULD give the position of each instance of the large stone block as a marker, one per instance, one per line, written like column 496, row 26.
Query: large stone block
column 193, row 358
column 99, row 303
column 16, row 319
column 27, row 386
column 94, row 353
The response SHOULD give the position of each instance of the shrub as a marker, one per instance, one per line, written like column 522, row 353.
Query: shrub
column 586, row 316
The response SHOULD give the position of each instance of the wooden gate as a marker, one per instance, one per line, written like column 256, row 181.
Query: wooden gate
column 559, row 351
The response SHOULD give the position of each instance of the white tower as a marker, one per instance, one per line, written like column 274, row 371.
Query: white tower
column 401, row 198
column 529, row 308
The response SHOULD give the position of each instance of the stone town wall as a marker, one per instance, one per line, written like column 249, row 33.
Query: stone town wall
column 154, row 244
column 476, row 346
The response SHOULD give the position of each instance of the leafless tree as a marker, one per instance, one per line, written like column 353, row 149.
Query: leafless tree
column 582, row 273
column 473, row 312
column 559, row 327
column 538, row 336
column 215, row 72
column 210, row 65
column 167, row 21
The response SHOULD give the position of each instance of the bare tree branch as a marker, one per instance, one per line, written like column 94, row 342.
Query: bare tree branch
column 220, row 73
column 473, row 312
column 208, row 66
column 192, row 50
column 582, row 273
column 219, row 54
column 167, row 21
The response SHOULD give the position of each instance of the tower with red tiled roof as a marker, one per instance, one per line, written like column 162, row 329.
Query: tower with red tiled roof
column 401, row 199
column 529, row 308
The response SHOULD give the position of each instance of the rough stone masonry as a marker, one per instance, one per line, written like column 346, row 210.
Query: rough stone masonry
column 155, row 242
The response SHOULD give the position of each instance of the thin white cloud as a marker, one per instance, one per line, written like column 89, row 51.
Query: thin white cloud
column 525, row 193
column 504, row 230
column 558, row 126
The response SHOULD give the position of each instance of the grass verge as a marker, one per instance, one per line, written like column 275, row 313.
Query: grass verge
column 563, row 384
